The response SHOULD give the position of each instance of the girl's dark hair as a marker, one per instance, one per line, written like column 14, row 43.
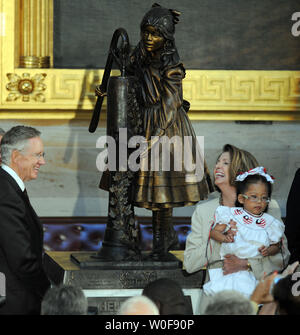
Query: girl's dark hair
column 242, row 186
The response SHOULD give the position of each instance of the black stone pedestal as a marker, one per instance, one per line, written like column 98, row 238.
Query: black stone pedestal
column 107, row 287
column 86, row 260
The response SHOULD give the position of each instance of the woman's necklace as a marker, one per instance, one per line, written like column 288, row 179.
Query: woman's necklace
column 228, row 202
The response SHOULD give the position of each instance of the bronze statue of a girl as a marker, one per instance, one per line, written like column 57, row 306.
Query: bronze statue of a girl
column 156, row 65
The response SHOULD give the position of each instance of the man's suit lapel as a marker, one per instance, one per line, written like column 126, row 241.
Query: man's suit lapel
column 32, row 216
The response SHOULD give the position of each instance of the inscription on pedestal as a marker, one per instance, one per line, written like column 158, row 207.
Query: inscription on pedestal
column 137, row 279
column 127, row 279
column 88, row 279
column 110, row 279
column 106, row 305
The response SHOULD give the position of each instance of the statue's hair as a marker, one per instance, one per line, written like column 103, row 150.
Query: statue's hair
column 164, row 21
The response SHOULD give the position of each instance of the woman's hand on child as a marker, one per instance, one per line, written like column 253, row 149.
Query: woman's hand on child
column 234, row 264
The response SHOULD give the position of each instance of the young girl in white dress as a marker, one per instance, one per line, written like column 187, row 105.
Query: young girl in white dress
column 258, row 234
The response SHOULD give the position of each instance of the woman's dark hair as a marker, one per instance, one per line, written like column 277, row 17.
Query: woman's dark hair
column 284, row 294
column 242, row 186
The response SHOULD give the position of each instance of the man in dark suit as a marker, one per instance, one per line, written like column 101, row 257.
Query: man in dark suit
column 292, row 221
column 21, row 233
column 2, row 132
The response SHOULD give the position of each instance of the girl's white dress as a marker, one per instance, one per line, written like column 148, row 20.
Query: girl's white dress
column 252, row 233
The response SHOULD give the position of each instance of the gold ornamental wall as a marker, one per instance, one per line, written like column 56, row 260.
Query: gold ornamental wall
column 31, row 88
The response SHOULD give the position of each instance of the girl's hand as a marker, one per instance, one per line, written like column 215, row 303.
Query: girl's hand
column 269, row 251
column 232, row 225
column 231, row 232
column 263, row 250
column 228, row 238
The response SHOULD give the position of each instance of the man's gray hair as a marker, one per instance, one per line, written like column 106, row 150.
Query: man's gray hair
column 229, row 302
column 138, row 305
column 64, row 300
column 2, row 132
column 16, row 139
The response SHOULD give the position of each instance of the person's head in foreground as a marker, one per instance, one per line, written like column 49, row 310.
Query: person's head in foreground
column 229, row 302
column 139, row 305
column 168, row 296
column 64, row 300
column 286, row 294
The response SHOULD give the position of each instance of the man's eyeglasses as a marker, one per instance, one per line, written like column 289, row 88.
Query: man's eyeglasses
column 39, row 156
column 255, row 198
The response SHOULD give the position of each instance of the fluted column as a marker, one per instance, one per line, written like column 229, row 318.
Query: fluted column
column 36, row 33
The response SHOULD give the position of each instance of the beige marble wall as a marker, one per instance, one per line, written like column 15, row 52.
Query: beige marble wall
column 68, row 183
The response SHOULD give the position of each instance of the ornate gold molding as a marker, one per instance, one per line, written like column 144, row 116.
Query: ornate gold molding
column 243, row 90
column 214, row 94
column 34, row 62
column 26, row 87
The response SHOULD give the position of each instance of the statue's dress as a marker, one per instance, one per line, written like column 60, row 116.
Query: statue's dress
column 164, row 113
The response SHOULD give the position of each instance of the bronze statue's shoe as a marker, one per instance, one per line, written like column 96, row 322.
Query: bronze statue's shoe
column 162, row 257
